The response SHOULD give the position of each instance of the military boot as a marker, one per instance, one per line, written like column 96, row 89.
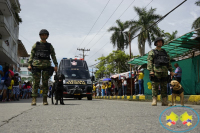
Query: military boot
column 33, row 101
column 164, row 101
column 154, row 102
column 45, row 100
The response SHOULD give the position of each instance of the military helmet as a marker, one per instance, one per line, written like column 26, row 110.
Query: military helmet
column 158, row 39
column 44, row 31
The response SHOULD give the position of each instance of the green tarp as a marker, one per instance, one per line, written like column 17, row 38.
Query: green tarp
column 190, row 76
column 175, row 48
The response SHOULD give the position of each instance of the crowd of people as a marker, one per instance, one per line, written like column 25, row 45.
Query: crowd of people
column 12, row 88
column 117, row 87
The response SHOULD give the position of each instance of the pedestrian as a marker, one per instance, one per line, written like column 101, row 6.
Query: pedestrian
column 38, row 92
column 100, row 90
column 1, row 83
column 136, row 85
column 178, row 72
column 94, row 90
column 112, row 89
column 50, row 88
column 141, row 82
column 158, row 65
column 41, row 91
column 115, row 86
column 97, row 90
column 120, row 88
column 6, row 80
column 40, row 60
column 16, row 90
column 10, row 89
column 25, row 93
column 169, row 88
column 124, row 86
column 109, row 88
column 11, row 72
column 28, row 89
column 103, row 87
column 22, row 89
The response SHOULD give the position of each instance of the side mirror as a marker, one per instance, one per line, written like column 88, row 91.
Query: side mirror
column 92, row 79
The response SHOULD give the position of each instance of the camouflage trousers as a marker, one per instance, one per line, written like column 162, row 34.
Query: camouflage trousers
column 36, row 82
column 163, row 85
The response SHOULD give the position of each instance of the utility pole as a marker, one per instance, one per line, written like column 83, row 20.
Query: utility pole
column 130, row 64
column 81, row 55
column 81, row 49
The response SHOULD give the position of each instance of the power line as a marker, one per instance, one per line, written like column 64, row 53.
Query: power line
column 119, row 18
column 114, row 23
column 155, row 23
column 106, row 22
column 99, row 50
column 95, row 22
column 26, row 40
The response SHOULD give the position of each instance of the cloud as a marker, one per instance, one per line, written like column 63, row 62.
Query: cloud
column 194, row 14
column 172, row 24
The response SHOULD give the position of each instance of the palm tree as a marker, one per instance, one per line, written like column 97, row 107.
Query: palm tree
column 146, row 19
column 118, row 39
column 196, row 23
column 169, row 37
column 197, row 2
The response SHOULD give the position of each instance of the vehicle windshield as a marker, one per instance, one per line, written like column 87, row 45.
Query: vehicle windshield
column 76, row 74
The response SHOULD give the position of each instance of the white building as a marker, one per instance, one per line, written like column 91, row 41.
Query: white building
column 10, row 46
column 24, row 68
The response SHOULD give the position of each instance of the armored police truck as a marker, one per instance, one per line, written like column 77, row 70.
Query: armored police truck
column 77, row 83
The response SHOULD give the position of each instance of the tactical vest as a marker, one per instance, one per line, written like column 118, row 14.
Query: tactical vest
column 42, row 51
column 160, row 58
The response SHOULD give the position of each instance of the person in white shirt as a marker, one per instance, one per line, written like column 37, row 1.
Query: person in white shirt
column 124, row 86
column 136, row 85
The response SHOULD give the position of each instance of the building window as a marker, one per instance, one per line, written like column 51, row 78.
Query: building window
column 23, row 72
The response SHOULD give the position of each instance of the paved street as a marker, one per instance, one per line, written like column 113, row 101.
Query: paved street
column 109, row 116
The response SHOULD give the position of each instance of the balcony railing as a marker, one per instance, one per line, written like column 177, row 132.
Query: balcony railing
column 10, row 28
column 4, row 22
column 8, row 51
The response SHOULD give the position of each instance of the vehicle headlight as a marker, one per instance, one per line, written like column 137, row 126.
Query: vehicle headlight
column 64, row 81
column 89, row 81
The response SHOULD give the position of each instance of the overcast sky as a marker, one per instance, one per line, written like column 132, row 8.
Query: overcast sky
column 69, row 22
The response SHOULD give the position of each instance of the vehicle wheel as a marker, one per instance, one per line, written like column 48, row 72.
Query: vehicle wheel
column 80, row 98
column 89, row 98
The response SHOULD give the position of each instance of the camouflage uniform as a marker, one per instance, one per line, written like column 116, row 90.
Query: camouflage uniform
column 159, row 72
column 41, row 64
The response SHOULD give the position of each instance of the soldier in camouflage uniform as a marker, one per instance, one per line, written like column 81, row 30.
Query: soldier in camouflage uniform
column 40, row 61
column 158, row 65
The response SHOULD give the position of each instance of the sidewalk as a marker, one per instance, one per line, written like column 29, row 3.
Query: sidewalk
column 188, row 99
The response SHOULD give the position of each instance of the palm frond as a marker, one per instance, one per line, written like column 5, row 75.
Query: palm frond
column 196, row 23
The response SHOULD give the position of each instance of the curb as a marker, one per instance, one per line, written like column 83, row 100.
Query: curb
column 188, row 99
